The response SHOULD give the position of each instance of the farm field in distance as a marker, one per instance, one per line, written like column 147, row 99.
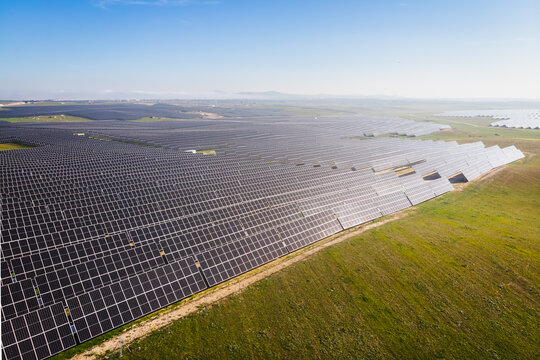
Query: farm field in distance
column 45, row 118
column 14, row 146
column 455, row 278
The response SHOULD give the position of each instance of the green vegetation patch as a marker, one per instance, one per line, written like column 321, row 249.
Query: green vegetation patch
column 46, row 118
column 15, row 146
column 207, row 151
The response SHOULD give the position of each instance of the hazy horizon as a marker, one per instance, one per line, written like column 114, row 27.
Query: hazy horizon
column 265, row 97
column 182, row 49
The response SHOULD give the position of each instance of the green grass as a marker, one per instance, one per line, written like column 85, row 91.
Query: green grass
column 45, row 118
column 207, row 151
column 15, row 146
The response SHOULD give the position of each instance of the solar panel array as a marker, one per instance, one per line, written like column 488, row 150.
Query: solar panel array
column 97, row 233
column 519, row 118
column 133, row 111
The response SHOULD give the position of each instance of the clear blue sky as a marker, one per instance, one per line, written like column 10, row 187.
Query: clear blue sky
column 147, row 48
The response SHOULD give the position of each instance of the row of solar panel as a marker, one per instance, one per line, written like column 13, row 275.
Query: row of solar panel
column 515, row 118
column 119, row 256
column 106, row 267
column 348, row 194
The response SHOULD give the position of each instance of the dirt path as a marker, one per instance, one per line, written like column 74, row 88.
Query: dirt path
column 231, row 287
column 238, row 284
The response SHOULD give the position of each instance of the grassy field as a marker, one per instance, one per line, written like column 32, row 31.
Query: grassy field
column 45, row 118
column 14, row 146
column 457, row 278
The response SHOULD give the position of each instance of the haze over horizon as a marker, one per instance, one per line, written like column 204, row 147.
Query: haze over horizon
column 110, row 49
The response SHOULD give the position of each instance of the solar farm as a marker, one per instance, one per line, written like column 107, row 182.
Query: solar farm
column 104, row 222
column 521, row 118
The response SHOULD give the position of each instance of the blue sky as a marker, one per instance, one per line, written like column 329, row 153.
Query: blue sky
column 184, row 49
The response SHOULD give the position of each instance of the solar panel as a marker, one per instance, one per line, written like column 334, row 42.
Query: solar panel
column 511, row 118
column 38, row 334
column 103, row 309
column 18, row 299
column 101, row 229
